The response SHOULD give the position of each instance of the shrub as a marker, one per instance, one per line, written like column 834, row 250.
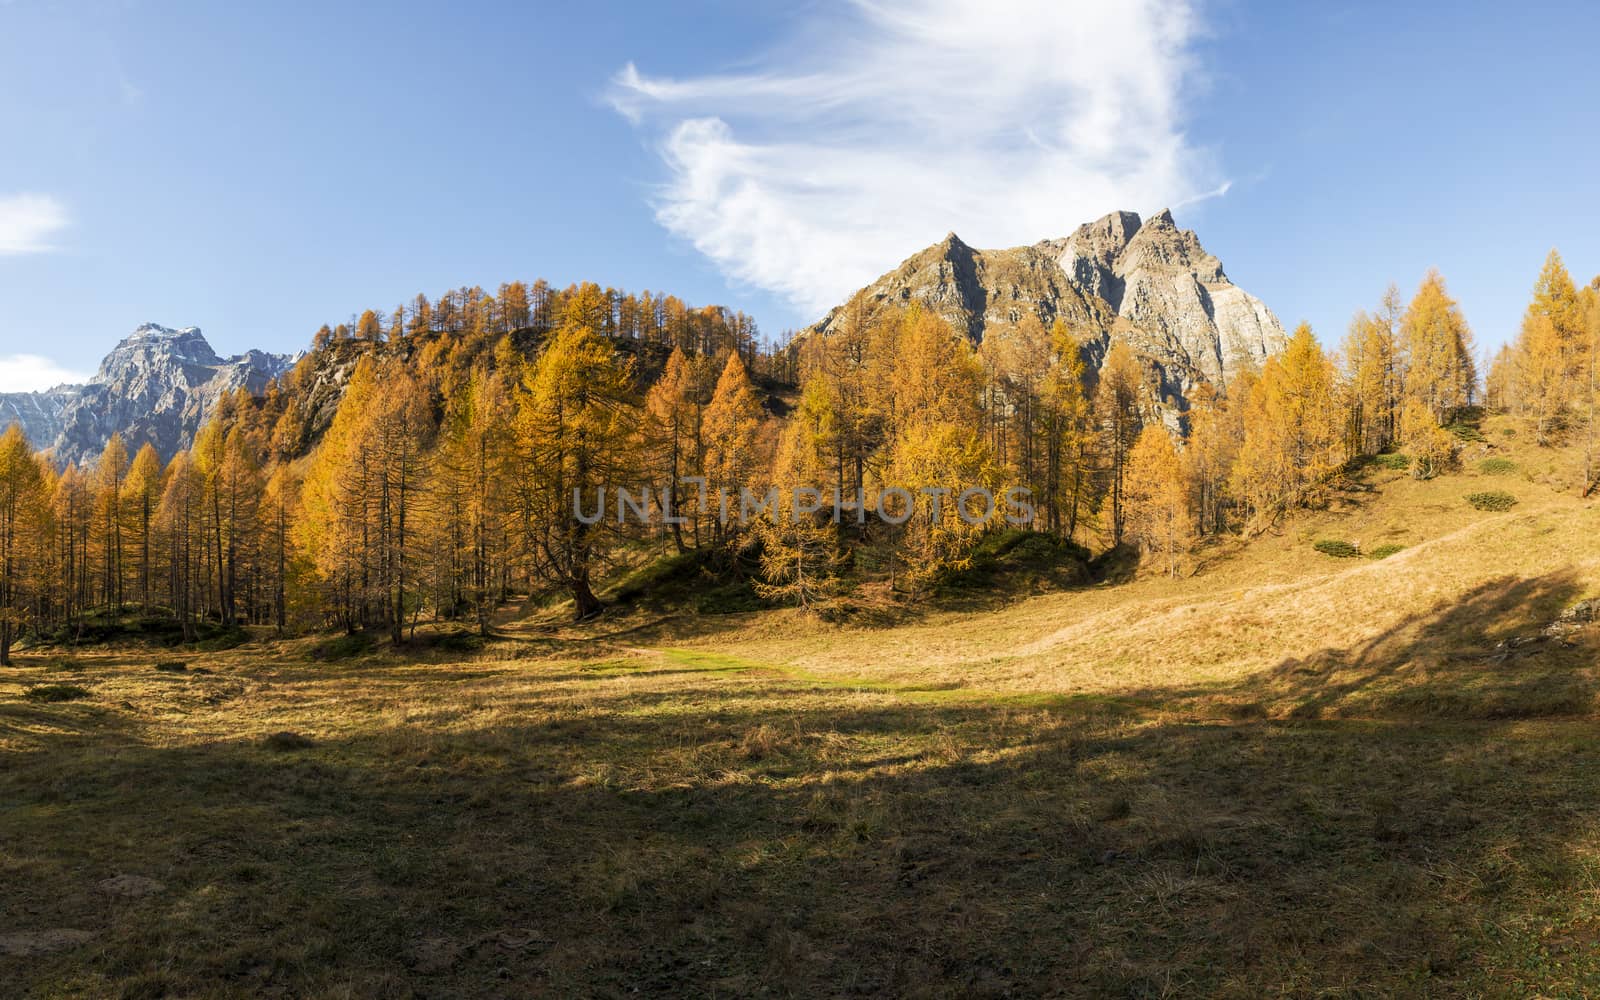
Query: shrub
column 1336, row 548
column 1497, row 467
column 1496, row 500
column 286, row 740
column 1395, row 461
column 1466, row 432
column 55, row 692
column 1385, row 551
column 172, row 666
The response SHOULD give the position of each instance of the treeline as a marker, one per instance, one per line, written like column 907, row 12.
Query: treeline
column 463, row 467
column 473, row 316
column 1551, row 373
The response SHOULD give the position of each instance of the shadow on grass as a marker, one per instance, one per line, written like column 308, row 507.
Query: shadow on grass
column 743, row 840
column 684, row 831
column 1446, row 664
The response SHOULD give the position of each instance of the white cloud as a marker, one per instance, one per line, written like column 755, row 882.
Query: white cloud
column 886, row 123
column 27, row 221
column 32, row 373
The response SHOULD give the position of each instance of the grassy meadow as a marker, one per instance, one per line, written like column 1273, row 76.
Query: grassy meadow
column 1287, row 774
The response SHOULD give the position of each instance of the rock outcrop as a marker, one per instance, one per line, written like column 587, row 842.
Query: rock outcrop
column 157, row 387
column 1145, row 282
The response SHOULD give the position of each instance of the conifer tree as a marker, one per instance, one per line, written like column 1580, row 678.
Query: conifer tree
column 109, row 475
column 143, row 496
column 1431, row 447
column 1159, row 513
column 574, row 427
column 671, row 419
column 22, row 511
column 732, row 432
column 179, row 517
column 1441, row 372
column 1118, row 398
column 1292, row 441
column 800, row 554
column 1067, row 427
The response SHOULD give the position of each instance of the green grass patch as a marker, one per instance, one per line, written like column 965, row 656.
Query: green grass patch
column 1394, row 461
column 1385, row 551
column 1465, row 431
column 1337, row 548
column 1492, row 500
column 344, row 647
column 1497, row 467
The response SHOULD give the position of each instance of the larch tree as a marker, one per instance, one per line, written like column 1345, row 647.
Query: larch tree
column 22, row 509
column 1373, row 370
column 110, row 475
column 143, row 496
column 470, row 497
column 672, row 419
column 800, row 554
column 732, row 435
column 179, row 518
column 1441, row 372
column 1119, row 399
column 1431, row 447
column 369, row 328
column 1066, row 425
column 937, row 450
column 397, row 430
column 1216, row 437
column 1159, row 511
column 1293, row 440
column 575, row 423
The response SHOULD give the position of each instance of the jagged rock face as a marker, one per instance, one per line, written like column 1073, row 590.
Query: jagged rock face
column 156, row 387
column 38, row 413
column 976, row 289
column 1120, row 278
column 1164, row 283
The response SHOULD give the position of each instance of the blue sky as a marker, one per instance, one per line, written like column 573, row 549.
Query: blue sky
column 259, row 169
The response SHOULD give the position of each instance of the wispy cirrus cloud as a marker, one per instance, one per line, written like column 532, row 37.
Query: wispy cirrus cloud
column 32, row 373
column 885, row 123
column 28, row 221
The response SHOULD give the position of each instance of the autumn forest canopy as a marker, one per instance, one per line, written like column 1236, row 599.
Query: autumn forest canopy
column 430, row 463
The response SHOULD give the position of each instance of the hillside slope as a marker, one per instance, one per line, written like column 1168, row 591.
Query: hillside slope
column 1274, row 623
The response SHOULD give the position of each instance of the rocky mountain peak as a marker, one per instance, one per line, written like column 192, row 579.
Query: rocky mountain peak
column 156, row 386
column 151, row 344
column 1144, row 281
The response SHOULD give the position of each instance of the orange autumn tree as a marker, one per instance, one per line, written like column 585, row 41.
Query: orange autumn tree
column 576, row 447
column 732, row 437
column 23, row 508
column 1292, row 443
column 1159, row 510
column 1440, row 373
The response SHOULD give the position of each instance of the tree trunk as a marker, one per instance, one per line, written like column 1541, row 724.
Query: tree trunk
column 588, row 605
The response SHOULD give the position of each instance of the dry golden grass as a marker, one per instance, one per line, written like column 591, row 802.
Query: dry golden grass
column 1288, row 775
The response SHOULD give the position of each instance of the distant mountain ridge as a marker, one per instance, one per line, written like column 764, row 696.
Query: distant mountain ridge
column 1143, row 281
column 157, row 386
